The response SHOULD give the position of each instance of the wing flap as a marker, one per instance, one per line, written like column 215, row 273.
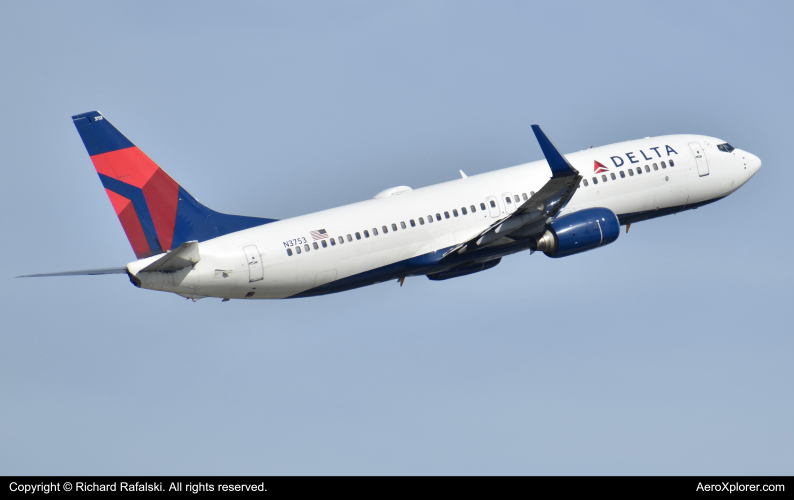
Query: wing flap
column 530, row 218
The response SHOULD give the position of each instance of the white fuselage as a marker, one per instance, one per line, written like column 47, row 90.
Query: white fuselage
column 226, row 270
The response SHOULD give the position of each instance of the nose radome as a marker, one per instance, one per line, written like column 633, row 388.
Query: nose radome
column 753, row 163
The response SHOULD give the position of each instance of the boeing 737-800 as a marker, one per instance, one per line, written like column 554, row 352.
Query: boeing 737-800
column 562, row 206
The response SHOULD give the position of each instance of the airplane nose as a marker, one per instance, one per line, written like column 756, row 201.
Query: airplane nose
column 753, row 164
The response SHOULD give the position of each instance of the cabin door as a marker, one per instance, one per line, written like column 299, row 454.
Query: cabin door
column 256, row 271
column 700, row 159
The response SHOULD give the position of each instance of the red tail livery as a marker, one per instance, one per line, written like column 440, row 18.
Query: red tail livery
column 157, row 214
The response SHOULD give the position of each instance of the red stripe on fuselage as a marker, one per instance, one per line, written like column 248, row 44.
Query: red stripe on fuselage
column 131, row 224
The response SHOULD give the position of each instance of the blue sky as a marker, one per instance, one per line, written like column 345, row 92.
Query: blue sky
column 668, row 352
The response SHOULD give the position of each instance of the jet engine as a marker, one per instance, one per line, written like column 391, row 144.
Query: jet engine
column 579, row 232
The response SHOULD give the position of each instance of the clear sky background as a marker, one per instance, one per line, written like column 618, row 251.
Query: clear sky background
column 668, row 352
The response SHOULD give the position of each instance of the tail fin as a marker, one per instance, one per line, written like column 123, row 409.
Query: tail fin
column 157, row 214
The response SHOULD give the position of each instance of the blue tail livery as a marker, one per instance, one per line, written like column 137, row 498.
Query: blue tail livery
column 157, row 214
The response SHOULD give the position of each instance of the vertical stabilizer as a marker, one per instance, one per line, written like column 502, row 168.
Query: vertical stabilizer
column 157, row 214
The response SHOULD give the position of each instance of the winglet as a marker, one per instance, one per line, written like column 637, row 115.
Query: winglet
column 560, row 167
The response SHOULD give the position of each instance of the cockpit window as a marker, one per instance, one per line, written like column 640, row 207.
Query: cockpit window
column 725, row 147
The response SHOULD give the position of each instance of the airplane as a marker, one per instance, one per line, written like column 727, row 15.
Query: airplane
column 562, row 206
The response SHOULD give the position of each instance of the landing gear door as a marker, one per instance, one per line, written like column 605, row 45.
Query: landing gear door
column 256, row 271
column 700, row 159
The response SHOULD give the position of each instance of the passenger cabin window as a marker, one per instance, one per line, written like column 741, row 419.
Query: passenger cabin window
column 647, row 168
column 455, row 212
column 298, row 249
column 655, row 167
column 473, row 210
column 374, row 231
column 463, row 210
column 413, row 224
column 585, row 182
column 430, row 219
column 438, row 217
column 289, row 252
column 402, row 225
column 316, row 246
column 517, row 198
column 366, row 233
column 595, row 180
column 482, row 206
column 421, row 221
column 639, row 170
column 531, row 194
column 333, row 241
column 604, row 177
column 631, row 172
column 384, row 229
column 613, row 176
column 663, row 165
column 446, row 215
column 325, row 245
column 349, row 238
column 394, row 227
column 341, row 240
column 306, row 247
column 524, row 195
column 622, row 174
column 672, row 164
column 493, row 204
column 724, row 147
column 507, row 200
column 358, row 236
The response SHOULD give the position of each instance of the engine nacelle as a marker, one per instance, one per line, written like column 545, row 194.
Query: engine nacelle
column 579, row 232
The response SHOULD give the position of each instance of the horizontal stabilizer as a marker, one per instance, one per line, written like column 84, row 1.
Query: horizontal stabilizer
column 86, row 272
column 560, row 167
column 185, row 255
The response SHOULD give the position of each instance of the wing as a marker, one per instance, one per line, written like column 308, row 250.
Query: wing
column 532, row 216
column 86, row 272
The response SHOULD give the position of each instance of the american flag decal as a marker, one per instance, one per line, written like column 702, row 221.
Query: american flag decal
column 319, row 234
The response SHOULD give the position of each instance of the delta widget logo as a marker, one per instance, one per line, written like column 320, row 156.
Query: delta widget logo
column 598, row 168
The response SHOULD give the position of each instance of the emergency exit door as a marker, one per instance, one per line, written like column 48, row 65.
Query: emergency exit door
column 256, row 271
column 510, row 206
column 493, row 206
